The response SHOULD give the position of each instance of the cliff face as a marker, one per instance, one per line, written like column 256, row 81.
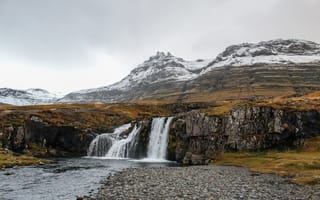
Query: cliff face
column 195, row 138
column 46, row 140
column 58, row 130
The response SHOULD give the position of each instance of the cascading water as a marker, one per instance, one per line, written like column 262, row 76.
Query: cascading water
column 112, row 145
column 102, row 143
column 122, row 148
column 158, row 141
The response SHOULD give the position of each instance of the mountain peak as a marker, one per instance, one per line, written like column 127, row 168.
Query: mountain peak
column 160, row 68
column 162, row 56
column 26, row 97
column 279, row 51
column 272, row 47
column 163, row 69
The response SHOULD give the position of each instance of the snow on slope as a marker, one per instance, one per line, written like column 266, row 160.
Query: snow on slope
column 269, row 52
column 158, row 68
column 168, row 68
column 164, row 67
column 26, row 97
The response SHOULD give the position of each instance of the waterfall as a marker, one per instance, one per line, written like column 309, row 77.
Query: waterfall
column 100, row 145
column 103, row 142
column 113, row 145
column 158, row 141
column 122, row 148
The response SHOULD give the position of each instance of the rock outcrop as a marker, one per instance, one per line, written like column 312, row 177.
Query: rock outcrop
column 44, row 139
column 195, row 137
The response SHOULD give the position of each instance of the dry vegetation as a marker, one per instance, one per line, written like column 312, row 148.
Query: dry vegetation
column 302, row 166
column 10, row 159
column 306, row 102
column 101, row 116
column 310, row 101
column 93, row 115
column 221, row 108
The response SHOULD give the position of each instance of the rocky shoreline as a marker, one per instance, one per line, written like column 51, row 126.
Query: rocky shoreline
column 200, row 182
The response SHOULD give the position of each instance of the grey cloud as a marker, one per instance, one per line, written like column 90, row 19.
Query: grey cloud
column 59, row 33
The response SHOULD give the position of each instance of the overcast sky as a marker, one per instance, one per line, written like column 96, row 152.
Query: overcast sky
column 67, row 45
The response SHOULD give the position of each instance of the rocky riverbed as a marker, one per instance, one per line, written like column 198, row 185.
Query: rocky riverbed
column 200, row 182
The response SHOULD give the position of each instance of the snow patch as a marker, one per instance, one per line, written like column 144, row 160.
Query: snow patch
column 26, row 97
column 158, row 68
column 276, row 59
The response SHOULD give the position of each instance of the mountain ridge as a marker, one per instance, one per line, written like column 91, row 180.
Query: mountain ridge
column 274, row 52
column 167, row 77
column 32, row 96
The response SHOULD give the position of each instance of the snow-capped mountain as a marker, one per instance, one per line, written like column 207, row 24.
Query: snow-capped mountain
column 274, row 67
column 166, row 75
column 26, row 97
column 160, row 68
column 279, row 51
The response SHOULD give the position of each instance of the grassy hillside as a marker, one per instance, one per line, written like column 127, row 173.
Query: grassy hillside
column 93, row 116
column 302, row 166
column 98, row 116
column 104, row 116
column 255, row 82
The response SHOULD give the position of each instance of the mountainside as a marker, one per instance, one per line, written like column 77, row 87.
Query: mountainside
column 26, row 97
column 161, row 69
column 244, row 71
column 270, row 52
column 241, row 72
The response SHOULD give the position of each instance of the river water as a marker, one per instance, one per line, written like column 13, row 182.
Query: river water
column 66, row 179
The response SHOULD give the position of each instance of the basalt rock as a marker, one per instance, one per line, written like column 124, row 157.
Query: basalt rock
column 63, row 138
column 196, row 137
column 36, row 133
column 141, row 145
column 13, row 138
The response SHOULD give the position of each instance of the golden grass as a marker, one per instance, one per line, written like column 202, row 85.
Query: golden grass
column 220, row 109
column 10, row 159
column 310, row 101
column 302, row 166
column 102, row 116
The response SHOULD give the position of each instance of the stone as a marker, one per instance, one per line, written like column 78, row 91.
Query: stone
column 244, row 128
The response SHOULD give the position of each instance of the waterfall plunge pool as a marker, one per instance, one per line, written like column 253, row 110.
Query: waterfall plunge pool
column 66, row 179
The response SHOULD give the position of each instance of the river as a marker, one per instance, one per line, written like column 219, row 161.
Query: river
column 66, row 179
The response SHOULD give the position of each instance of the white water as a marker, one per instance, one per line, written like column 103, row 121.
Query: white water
column 102, row 143
column 121, row 148
column 112, row 146
column 158, row 141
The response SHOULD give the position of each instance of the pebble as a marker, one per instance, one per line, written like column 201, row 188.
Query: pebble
column 200, row 182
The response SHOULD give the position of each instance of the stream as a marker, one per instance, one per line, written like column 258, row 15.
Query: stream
column 66, row 179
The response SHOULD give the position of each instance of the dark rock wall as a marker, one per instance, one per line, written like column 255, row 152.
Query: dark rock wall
column 195, row 137
column 140, row 146
column 38, row 134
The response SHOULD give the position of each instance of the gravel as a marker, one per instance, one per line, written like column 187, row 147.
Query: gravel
column 200, row 182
